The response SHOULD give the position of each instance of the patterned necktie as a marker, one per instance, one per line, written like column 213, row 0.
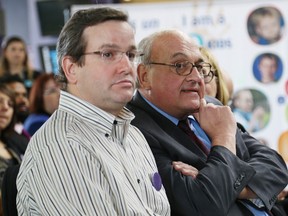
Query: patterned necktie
column 184, row 126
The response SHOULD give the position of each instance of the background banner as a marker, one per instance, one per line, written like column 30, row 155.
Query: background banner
column 248, row 39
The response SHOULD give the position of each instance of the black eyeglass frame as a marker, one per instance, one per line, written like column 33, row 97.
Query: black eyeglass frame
column 136, row 58
column 210, row 74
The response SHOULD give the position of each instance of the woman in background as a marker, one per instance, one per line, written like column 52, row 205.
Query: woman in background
column 44, row 100
column 14, row 60
column 218, row 86
column 12, row 149
column 12, row 144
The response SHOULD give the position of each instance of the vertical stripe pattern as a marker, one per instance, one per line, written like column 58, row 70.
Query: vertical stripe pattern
column 84, row 161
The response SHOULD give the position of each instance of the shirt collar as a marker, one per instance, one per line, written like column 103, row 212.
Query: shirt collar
column 82, row 109
column 171, row 118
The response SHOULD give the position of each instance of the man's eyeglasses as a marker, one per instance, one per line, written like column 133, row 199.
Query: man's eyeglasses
column 185, row 68
column 114, row 56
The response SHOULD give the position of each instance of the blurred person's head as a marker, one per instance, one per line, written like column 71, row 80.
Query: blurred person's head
column 44, row 95
column 14, row 54
column 217, row 87
column 7, row 107
column 243, row 100
column 229, row 84
column 267, row 66
column 15, row 83
column 267, row 23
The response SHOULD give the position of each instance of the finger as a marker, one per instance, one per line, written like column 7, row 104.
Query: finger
column 189, row 172
column 179, row 166
column 176, row 163
column 202, row 89
column 185, row 169
column 201, row 107
column 203, row 102
column 182, row 165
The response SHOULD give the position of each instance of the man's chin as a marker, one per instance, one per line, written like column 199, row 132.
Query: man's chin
column 194, row 108
column 194, row 111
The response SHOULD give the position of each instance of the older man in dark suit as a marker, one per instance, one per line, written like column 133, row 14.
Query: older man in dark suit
column 229, row 172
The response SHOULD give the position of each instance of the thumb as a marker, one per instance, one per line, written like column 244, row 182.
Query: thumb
column 202, row 102
column 202, row 105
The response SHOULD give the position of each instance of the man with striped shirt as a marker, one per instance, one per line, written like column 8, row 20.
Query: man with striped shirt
column 87, row 159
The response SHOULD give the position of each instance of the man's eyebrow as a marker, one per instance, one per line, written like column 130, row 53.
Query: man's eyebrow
column 115, row 46
column 199, row 59
column 179, row 54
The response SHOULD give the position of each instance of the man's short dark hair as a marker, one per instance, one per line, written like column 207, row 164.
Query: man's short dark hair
column 8, row 79
column 71, row 41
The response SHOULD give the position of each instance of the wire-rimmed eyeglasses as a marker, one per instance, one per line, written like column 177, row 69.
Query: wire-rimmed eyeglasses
column 114, row 56
column 185, row 68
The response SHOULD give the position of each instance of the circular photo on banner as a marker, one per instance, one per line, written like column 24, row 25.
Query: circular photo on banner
column 286, row 87
column 265, row 25
column 283, row 145
column 267, row 68
column 286, row 113
column 251, row 109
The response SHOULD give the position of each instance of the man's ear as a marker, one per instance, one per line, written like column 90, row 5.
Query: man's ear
column 69, row 67
column 143, row 76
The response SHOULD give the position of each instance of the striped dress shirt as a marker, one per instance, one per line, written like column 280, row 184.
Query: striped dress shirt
column 85, row 161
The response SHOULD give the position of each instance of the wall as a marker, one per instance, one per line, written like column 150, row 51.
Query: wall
column 21, row 19
column 36, row 39
column 16, row 21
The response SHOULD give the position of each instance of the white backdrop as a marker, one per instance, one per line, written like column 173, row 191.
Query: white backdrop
column 222, row 26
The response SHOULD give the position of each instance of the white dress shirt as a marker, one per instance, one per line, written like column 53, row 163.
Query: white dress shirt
column 85, row 161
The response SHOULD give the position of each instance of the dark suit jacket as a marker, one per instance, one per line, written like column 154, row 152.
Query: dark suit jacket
column 17, row 145
column 9, row 191
column 222, row 175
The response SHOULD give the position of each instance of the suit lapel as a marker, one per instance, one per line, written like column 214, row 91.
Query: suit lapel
column 169, row 129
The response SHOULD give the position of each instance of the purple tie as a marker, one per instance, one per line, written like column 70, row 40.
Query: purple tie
column 184, row 126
